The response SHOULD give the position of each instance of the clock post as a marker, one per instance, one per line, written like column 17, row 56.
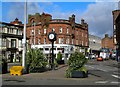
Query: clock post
column 52, row 38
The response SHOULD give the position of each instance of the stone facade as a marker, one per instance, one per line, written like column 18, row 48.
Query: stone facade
column 94, row 43
column 11, row 41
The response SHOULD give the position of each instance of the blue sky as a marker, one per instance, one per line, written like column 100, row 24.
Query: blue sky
column 98, row 15
column 71, row 7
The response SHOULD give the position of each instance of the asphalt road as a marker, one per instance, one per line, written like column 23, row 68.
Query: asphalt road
column 100, row 73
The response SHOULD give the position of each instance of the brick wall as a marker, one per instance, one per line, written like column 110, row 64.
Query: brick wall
column 79, row 31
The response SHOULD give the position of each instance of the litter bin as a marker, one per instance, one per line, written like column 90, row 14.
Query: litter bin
column 4, row 66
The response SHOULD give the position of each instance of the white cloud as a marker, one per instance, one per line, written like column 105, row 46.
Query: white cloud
column 99, row 17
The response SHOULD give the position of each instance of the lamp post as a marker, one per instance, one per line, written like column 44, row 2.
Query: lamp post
column 52, row 38
column 24, row 37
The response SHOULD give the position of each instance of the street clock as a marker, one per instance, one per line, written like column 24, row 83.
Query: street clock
column 52, row 36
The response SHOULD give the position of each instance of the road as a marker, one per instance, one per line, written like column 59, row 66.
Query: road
column 100, row 73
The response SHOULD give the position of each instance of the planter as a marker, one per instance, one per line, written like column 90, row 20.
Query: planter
column 79, row 74
column 37, row 70
column 60, row 62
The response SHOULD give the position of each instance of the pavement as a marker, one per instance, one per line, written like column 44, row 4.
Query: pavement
column 57, row 77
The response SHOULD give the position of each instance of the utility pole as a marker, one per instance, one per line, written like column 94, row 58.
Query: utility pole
column 24, row 37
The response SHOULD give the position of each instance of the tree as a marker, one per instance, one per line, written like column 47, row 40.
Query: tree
column 35, row 59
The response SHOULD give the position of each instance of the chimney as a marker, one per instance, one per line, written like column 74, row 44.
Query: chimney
column 106, row 35
column 82, row 21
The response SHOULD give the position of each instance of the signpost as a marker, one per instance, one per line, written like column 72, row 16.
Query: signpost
column 52, row 38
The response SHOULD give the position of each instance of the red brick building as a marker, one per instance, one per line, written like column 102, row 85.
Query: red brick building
column 115, row 13
column 107, row 42
column 68, row 32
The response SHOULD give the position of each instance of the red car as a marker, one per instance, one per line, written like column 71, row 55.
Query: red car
column 99, row 59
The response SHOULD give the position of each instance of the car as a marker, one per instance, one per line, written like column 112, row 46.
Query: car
column 99, row 59
column 113, row 56
column 86, row 57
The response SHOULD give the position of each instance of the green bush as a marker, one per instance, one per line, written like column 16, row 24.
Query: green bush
column 35, row 59
column 76, row 63
column 59, row 56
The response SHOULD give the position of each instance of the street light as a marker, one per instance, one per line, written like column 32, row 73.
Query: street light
column 24, row 38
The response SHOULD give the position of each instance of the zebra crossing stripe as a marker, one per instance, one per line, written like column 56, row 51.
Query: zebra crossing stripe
column 101, row 82
column 116, row 76
column 115, row 82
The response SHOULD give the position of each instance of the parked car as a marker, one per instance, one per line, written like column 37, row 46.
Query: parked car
column 99, row 59
column 92, row 56
column 113, row 55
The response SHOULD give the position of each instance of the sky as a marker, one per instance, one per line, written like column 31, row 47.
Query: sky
column 98, row 14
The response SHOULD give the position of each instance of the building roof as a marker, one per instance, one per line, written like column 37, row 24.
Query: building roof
column 9, row 24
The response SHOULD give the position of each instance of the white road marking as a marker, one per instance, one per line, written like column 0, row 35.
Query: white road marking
column 116, row 76
column 101, row 82
column 97, row 68
column 115, row 82
column 90, row 66
column 102, row 69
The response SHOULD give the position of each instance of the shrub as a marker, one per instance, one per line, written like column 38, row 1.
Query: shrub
column 76, row 63
column 35, row 59
column 59, row 57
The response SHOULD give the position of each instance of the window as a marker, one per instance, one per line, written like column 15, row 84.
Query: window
column 82, row 34
column 13, row 43
column 76, row 42
column 82, row 43
column 38, row 41
column 8, row 30
column 72, row 41
column 45, row 31
column 77, row 32
column 53, row 29
column 62, row 41
column 4, row 42
column 44, row 40
column 67, row 30
column 59, row 40
column 60, row 30
column 31, row 41
column 46, row 48
column 86, row 44
column 67, row 41
column 17, row 31
column 20, row 43
column 38, row 31
column 32, row 32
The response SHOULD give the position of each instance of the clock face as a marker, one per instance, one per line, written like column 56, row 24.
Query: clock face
column 51, row 36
